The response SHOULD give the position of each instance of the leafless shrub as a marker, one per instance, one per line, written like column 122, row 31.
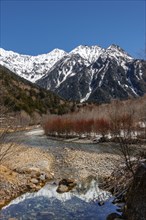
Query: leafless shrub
column 6, row 126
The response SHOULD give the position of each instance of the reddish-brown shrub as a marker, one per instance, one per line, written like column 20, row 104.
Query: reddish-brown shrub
column 101, row 126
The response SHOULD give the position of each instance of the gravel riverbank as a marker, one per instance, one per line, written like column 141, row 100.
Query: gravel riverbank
column 24, row 169
column 28, row 168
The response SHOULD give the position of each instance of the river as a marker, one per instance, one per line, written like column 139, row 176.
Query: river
column 36, row 138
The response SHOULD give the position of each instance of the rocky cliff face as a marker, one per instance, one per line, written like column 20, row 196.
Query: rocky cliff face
column 99, row 77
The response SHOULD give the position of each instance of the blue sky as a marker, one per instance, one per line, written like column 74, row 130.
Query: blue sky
column 38, row 26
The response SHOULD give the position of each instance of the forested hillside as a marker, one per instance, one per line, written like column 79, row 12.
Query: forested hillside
column 18, row 94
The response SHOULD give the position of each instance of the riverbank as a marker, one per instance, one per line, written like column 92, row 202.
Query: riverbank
column 79, row 164
column 75, row 139
column 22, row 171
column 38, row 160
column 95, row 139
column 16, row 129
column 28, row 168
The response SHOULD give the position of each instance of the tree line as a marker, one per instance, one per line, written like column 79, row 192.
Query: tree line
column 118, row 119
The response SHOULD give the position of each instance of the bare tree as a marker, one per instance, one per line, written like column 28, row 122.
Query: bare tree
column 126, row 151
column 6, row 124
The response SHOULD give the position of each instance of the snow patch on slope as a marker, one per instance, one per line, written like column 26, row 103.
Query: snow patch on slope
column 90, row 53
column 90, row 88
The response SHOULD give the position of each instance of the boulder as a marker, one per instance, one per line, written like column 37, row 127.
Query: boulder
column 62, row 189
column 66, row 185
column 67, row 182
column 136, row 196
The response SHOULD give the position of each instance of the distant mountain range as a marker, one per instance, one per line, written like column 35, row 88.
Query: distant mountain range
column 87, row 73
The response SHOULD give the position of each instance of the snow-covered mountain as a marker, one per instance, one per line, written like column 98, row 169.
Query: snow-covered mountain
column 96, row 74
column 90, row 53
column 31, row 68
column 87, row 73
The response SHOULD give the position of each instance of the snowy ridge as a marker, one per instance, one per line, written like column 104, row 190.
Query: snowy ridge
column 118, row 53
column 90, row 53
column 31, row 68
column 87, row 73
column 96, row 74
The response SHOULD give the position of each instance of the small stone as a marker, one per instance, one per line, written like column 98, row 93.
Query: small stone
column 33, row 180
column 52, row 174
column 62, row 189
column 41, row 184
column 42, row 177
column 37, row 188
column 30, row 186
column 100, row 203
column 66, row 182
column 2, row 203
column 33, row 171
column 34, row 174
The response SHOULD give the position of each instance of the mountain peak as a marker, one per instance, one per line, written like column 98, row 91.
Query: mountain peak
column 116, row 51
column 86, row 73
column 56, row 54
column 85, row 48
column 90, row 53
column 115, row 46
column 57, row 50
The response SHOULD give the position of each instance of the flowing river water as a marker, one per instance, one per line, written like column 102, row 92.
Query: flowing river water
column 46, row 204
column 36, row 138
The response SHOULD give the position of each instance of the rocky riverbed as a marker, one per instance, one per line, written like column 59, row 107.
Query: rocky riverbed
column 25, row 169
column 28, row 168
column 38, row 160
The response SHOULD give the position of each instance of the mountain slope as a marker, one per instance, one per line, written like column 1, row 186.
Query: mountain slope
column 60, row 77
column 18, row 94
column 31, row 68
column 90, row 53
column 114, row 75
column 87, row 73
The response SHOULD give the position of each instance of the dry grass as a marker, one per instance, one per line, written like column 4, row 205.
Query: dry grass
column 8, row 175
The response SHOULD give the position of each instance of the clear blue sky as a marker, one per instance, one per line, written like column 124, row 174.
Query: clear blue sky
column 38, row 26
